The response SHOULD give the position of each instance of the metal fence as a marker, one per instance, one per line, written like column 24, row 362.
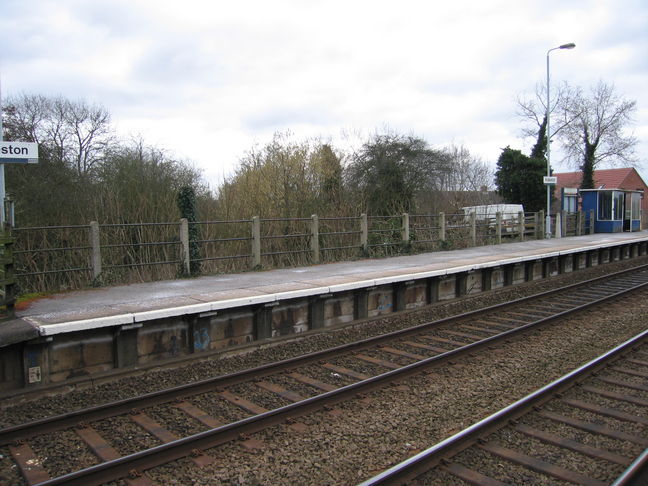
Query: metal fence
column 55, row 258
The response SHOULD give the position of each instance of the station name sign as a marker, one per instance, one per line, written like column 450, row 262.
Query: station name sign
column 18, row 153
column 550, row 180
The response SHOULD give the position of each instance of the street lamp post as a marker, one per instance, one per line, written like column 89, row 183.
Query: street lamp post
column 571, row 45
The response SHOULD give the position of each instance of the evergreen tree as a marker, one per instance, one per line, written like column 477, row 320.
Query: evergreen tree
column 589, row 161
column 519, row 179
column 539, row 150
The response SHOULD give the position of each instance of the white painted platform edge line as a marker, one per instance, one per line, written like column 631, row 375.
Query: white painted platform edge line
column 241, row 301
column 352, row 286
column 295, row 294
column 171, row 312
column 85, row 324
column 409, row 276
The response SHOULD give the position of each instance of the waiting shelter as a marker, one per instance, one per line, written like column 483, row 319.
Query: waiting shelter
column 614, row 210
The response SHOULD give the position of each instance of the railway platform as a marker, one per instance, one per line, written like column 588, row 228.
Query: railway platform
column 76, row 335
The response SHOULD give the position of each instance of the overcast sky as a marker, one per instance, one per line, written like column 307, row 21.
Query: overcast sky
column 207, row 80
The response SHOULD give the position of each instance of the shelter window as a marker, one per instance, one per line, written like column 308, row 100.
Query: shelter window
column 618, row 205
column 570, row 204
column 605, row 205
column 636, row 206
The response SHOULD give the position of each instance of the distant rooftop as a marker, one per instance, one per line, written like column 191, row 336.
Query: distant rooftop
column 603, row 179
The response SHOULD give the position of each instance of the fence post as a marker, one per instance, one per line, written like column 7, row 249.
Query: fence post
column 540, row 222
column 256, row 242
column 498, row 227
column 364, row 233
column 442, row 227
column 8, row 279
column 473, row 228
column 405, row 229
column 184, row 240
column 315, row 238
column 521, row 225
column 559, row 225
column 579, row 223
column 591, row 218
column 563, row 220
column 95, row 244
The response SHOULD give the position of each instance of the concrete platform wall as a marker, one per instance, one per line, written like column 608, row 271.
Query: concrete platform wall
column 73, row 355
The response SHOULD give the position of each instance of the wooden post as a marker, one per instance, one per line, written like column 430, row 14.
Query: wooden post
column 498, row 228
column 8, row 279
column 95, row 244
column 442, row 227
column 473, row 228
column 184, row 240
column 315, row 249
column 579, row 223
column 541, row 225
column 256, row 242
column 405, row 228
column 521, row 225
column 364, row 233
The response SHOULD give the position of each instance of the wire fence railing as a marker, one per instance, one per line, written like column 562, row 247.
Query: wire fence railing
column 56, row 258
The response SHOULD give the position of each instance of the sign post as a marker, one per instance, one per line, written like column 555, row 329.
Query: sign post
column 12, row 153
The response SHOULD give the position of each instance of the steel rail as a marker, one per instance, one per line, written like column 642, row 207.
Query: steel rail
column 118, row 407
column 429, row 458
column 636, row 474
column 162, row 454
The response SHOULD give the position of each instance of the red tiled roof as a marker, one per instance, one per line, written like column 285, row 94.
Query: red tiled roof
column 606, row 178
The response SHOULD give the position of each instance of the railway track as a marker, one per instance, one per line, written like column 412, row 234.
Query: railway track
column 538, row 432
column 233, row 406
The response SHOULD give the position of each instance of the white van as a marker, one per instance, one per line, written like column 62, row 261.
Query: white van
column 488, row 213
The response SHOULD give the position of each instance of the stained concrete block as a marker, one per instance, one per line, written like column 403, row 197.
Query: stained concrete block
column 339, row 309
column 580, row 261
column 447, row 288
column 604, row 255
column 566, row 264
column 79, row 354
column 222, row 330
column 416, row 295
column 167, row 338
column 380, row 301
column 11, row 367
column 290, row 318
column 497, row 278
column 473, row 283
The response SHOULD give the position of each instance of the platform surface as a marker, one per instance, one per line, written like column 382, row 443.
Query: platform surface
column 128, row 304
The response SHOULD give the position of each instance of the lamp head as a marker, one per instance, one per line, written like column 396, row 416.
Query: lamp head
column 571, row 45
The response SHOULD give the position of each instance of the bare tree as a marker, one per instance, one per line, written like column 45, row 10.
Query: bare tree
column 89, row 128
column 533, row 111
column 597, row 133
column 467, row 172
column 71, row 132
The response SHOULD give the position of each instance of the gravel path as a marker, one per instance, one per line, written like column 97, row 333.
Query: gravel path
column 362, row 437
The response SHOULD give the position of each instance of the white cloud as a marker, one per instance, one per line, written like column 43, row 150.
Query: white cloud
column 207, row 79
